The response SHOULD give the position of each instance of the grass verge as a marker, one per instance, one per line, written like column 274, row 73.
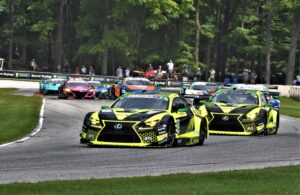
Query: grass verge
column 289, row 107
column 280, row 180
column 19, row 115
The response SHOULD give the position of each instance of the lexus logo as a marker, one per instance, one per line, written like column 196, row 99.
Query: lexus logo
column 225, row 118
column 118, row 126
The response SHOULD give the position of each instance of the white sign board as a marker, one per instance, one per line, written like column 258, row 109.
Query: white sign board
column 1, row 63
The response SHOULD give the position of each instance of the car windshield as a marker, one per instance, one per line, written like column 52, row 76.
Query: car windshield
column 138, row 82
column 142, row 103
column 77, row 84
column 236, row 98
column 95, row 84
column 204, row 87
column 56, row 82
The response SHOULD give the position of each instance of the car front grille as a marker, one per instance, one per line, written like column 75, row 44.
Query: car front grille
column 125, row 134
column 219, row 123
column 79, row 94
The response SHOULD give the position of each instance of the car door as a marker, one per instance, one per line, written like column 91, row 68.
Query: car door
column 182, row 118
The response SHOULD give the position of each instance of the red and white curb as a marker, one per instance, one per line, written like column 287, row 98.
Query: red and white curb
column 35, row 130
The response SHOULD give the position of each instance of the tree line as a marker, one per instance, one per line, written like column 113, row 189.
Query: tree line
column 228, row 35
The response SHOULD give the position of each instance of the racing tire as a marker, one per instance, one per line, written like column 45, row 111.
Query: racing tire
column 45, row 92
column 61, row 96
column 111, row 95
column 171, row 134
column 275, row 130
column 202, row 134
column 266, row 130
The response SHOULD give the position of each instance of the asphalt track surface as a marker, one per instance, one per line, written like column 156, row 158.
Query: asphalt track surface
column 55, row 153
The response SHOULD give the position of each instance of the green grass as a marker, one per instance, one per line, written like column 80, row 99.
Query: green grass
column 280, row 180
column 289, row 107
column 19, row 115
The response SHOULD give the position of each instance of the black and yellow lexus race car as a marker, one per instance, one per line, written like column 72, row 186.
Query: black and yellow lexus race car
column 240, row 113
column 141, row 120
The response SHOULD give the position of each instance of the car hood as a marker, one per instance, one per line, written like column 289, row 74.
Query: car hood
column 79, row 88
column 127, row 114
column 140, row 87
column 230, row 108
column 196, row 92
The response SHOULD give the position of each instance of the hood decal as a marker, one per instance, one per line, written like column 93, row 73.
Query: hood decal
column 142, row 115
column 224, row 108
column 244, row 109
column 126, row 114
column 107, row 115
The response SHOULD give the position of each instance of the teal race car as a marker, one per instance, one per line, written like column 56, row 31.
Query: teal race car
column 50, row 86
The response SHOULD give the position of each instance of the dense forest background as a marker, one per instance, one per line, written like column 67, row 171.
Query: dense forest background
column 229, row 35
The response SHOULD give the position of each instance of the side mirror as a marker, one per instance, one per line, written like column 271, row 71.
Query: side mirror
column 270, row 105
column 181, row 92
column 104, row 107
column 178, row 107
column 182, row 110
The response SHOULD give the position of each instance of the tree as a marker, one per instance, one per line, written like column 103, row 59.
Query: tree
column 197, row 32
column 268, row 46
column 293, row 47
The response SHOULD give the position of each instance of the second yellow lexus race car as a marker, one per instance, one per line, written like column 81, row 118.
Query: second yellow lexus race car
column 141, row 120
column 236, row 112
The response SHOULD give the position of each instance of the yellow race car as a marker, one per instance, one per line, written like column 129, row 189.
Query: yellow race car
column 236, row 112
column 140, row 120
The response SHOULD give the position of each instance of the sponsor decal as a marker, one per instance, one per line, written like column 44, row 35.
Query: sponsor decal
column 40, row 76
column 148, row 138
column 7, row 74
column 250, row 128
column 23, row 75
column 118, row 126
column 91, row 136
column 225, row 118
column 106, row 110
column 160, row 83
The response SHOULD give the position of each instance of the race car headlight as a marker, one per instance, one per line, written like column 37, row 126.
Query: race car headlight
column 151, row 123
column 252, row 116
column 68, row 90
column 91, row 90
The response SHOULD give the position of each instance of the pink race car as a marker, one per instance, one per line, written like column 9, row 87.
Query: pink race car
column 76, row 89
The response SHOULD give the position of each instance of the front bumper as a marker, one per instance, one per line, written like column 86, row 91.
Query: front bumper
column 101, row 94
column 128, row 136
column 79, row 94
column 233, row 124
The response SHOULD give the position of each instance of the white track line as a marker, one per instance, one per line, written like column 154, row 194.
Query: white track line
column 35, row 130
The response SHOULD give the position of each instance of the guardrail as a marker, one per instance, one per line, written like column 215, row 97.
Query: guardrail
column 292, row 91
column 295, row 92
column 106, row 79
column 49, row 75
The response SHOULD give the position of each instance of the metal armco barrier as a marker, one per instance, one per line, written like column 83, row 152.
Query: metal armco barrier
column 173, row 85
column 49, row 75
